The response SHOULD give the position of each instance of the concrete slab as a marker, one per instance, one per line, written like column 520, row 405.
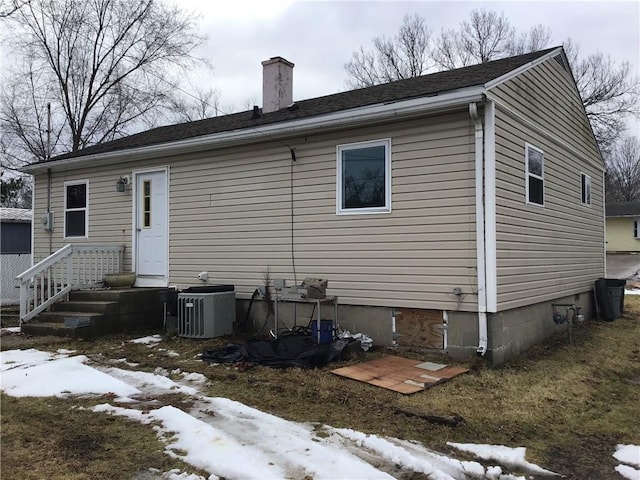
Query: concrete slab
column 623, row 266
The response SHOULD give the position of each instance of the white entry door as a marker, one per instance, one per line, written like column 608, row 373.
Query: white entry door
column 151, row 228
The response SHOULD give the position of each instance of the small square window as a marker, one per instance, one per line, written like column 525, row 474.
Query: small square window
column 75, row 209
column 585, row 181
column 534, row 159
column 364, row 177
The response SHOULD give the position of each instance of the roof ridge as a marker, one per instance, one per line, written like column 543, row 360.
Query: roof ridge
column 430, row 84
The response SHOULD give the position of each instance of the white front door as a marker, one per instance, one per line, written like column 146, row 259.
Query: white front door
column 151, row 228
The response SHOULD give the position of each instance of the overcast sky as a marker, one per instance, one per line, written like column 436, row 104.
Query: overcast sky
column 320, row 36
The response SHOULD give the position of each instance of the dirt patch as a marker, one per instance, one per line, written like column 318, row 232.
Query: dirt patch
column 576, row 455
column 84, row 444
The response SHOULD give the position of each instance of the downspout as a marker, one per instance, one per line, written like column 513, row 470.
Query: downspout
column 480, row 240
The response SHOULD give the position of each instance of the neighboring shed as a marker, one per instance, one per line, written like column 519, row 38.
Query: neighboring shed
column 457, row 206
column 623, row 227
column 15, row 250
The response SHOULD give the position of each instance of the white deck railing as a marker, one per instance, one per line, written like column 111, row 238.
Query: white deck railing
column 71, row 267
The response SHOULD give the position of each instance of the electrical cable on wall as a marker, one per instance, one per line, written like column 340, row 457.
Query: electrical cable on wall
column 293, row 256
column 293, row 160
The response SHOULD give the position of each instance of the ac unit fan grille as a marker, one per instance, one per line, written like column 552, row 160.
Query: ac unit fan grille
column 206, row 315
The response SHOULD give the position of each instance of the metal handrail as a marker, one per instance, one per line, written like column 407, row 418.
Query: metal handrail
column 71, row 267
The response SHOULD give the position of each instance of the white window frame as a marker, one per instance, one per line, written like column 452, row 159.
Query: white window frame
column 527, row 174
column 86, row 209
column 386, row 142
column 636, row 229
column 585, row 189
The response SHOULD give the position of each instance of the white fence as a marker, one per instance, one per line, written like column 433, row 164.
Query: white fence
column 12, row 265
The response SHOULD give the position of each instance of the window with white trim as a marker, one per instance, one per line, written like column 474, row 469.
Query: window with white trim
column 534, row 159
column 364, row 177
column 585, row 187
column 636, row 229
column 76, row 209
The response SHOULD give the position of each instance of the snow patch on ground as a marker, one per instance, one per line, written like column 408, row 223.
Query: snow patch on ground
column 148, row 382
column 49, row 376
column 151, row 340
column 9, row 330
column 64, row 351
column 125, row 361
column 629, row 457
column 177, row 475
column 231, row 440
column 412, row 456
column 191, row 377
column 510, row 457
column 629, row 454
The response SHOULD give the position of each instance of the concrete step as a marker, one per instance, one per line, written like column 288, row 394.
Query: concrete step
column 59, row 316
column 9, row 316
column 86, row 306
column 56, row 329
column 106, row 311
column 116, row 294
column 105, row 295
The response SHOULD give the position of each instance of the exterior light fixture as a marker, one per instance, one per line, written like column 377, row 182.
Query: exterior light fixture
column 121, row 183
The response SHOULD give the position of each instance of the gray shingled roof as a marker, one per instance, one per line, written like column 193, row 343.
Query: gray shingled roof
column 622, row 209
column 17, row 215
column 427, row 85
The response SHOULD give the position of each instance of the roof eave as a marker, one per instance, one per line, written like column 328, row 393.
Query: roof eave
column 342, row 119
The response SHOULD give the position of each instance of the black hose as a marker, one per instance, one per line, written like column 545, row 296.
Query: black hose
column 255, row 293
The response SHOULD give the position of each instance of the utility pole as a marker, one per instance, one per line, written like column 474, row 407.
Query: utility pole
column 48, row 157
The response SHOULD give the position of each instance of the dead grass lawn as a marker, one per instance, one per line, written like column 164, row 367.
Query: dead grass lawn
column 569, row 404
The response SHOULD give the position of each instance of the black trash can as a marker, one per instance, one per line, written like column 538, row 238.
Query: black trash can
column 616, row 291
column 610, row 298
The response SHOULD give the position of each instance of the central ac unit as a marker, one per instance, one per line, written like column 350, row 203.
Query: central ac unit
column 206, row 312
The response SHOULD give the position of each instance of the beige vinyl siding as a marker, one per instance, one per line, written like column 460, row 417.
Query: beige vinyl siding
column 547, row 96
column 110, row 212
column 620, row 235
column 236, row 220
column 230, row 214
column 555, row 250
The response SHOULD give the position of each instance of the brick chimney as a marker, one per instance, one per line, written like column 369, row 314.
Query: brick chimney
column 277, row 84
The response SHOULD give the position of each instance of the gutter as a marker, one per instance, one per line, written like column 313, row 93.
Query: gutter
column 346, row 118
column 480, row 232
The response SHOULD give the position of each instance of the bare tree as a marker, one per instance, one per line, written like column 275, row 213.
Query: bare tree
column 484, row 37
column 102, row 65
column 623, row 171
column 204, row 103
column 15, row 192
column 406, row 55
column 610, row 94
column 537, row 38
column 249, row 102
column 9, row 7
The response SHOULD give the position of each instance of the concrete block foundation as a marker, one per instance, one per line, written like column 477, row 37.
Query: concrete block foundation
column 510, row 332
